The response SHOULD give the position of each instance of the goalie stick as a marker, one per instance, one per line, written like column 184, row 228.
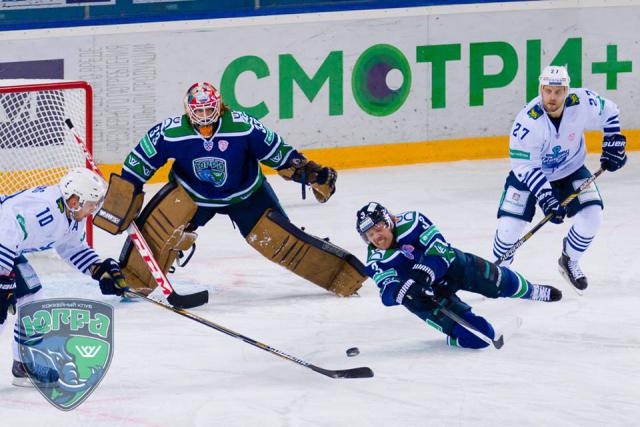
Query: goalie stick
column 362, row 372
column 181, row 301
column 544, row 220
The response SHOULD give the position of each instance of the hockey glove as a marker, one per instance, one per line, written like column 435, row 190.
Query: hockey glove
column 422, row 274
column 109, row 276
column 7, row 296
column 322, row 179
column 415, row 294
column 551, row 206
column 613, row 154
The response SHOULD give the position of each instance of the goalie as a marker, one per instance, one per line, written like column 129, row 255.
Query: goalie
column 217, row 156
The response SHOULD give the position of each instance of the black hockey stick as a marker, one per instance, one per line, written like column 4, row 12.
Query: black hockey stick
column 362, row 372
column 497, row 343
column 546, row 219
column 175, row 299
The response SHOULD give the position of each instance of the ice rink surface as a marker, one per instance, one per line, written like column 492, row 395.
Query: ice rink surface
column 572, row 363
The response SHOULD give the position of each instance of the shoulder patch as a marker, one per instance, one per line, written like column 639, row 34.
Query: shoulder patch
column 235, row 122
column 60, row 204
column 535, row 112
column 572, row 100
column 240, row 117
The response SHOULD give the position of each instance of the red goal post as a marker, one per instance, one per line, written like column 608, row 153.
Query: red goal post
column 36, row 146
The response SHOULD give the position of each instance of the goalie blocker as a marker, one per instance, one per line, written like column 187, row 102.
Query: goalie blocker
column 314, row 259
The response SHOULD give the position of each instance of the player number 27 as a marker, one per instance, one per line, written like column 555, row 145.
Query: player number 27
column 519, row 131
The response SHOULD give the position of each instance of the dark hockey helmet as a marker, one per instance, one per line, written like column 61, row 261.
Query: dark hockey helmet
column 369, row 215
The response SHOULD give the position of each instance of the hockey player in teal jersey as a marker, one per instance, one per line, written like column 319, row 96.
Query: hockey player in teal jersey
column 413, row 265
column 217, row 156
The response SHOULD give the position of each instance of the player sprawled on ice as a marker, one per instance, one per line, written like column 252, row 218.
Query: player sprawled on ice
column 547, row 150
column 413, row 265
column 43, row 218
column 218, row 155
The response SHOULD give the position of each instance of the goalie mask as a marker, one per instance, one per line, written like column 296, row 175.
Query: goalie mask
column 370, row 215
column 202, row 103
column 86, row 185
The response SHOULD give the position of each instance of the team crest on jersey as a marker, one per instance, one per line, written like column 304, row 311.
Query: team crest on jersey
column 66, row 347
column 223, row 145
column 535, row 112
column 211, row 169
column 208, row 145
column 555, row 158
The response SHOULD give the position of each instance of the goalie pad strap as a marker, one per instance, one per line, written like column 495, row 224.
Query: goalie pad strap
column 121, row 205
column 162, row 224
column 314, row 259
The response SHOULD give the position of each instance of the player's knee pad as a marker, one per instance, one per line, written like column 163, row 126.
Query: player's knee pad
column 472, row 273
column 508, row 232
column 464, row 338
column 314, row 259
column 162, row 224
column 587, row 221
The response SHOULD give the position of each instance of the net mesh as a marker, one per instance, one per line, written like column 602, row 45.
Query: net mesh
column 36, row 146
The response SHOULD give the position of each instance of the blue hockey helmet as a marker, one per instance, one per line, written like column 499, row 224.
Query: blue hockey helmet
column 369, row 215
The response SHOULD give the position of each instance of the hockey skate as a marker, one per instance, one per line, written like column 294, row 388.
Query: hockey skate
column 542, row 293
column 40, row 374
column 570, row 270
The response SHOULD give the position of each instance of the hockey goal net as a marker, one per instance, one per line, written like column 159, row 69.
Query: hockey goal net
column 36, row 146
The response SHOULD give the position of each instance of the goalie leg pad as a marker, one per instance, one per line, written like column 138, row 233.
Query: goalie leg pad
column 314, row 259
column 162, row 224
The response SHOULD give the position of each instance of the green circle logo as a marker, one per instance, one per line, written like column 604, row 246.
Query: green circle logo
column 381, row 80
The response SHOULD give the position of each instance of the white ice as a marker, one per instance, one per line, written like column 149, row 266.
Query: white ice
column 572, row 363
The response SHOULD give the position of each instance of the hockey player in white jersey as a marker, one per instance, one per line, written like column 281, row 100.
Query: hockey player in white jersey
column 42, row 218
column 547, row 151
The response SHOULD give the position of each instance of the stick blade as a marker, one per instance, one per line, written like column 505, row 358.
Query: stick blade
column 188, row 301
column 499, row 342
column 362, row 372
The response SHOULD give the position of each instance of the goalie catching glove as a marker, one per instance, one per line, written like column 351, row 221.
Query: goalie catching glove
column 322, row 179
column 109, row 276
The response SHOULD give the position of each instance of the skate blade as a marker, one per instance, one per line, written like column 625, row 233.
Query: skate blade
column 26, row 382
column 22, row 382
column 566, row 277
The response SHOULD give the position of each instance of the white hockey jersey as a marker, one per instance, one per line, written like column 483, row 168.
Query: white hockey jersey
column 34, row 220
column 541, row 153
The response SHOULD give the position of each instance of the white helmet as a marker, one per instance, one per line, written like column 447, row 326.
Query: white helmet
column 85, row 184
column 554, row 75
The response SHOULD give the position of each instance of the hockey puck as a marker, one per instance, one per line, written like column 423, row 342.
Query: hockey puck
column 353, row 351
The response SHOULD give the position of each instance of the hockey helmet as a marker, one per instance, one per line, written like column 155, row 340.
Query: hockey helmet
column 369, row 215
column 202, row 97
column 87, row 185
column 554, row 75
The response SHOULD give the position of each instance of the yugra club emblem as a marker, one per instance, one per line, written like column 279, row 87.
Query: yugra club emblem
column 66, row 347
